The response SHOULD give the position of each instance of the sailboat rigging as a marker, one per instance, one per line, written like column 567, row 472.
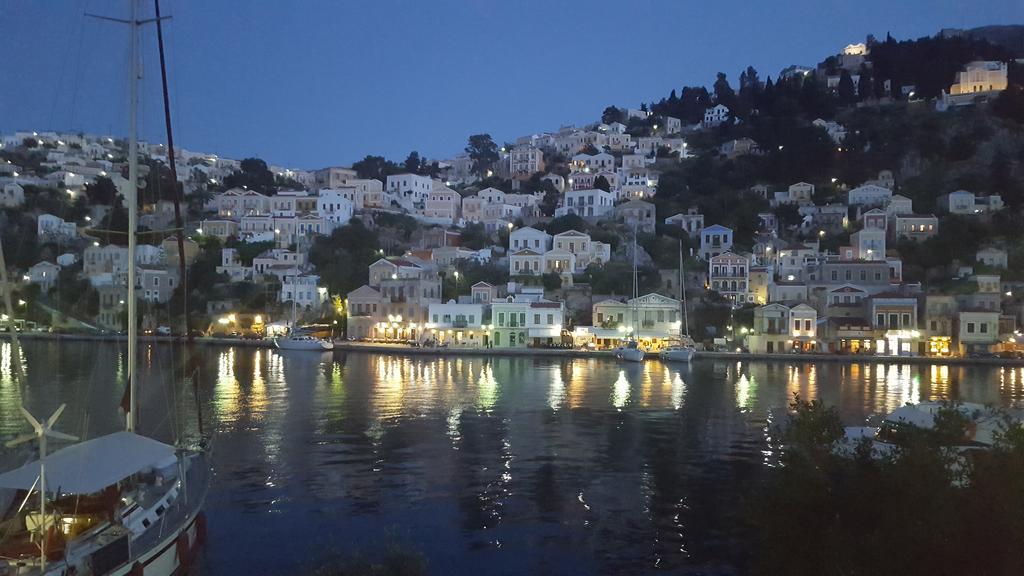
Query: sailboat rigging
column 630, row 350
column 118, row 504
column 685, row 350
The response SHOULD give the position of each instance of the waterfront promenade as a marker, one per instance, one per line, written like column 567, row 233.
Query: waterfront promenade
column 402, row 349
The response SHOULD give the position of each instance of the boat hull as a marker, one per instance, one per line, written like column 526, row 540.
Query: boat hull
column 312, row 345
column 630, row 354
column 677, row 355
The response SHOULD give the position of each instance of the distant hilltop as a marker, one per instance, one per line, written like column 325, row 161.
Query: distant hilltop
column 1010, row 36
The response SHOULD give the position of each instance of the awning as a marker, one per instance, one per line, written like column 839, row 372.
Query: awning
column 91, row 466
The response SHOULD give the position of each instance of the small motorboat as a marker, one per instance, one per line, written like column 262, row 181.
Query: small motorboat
column 300, row 342
column 630, row 352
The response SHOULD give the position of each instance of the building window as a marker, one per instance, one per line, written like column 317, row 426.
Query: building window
column 880, row 320
column 984, row 327
column 970, row 327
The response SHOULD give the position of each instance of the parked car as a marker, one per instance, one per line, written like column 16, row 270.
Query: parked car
column 163, row 330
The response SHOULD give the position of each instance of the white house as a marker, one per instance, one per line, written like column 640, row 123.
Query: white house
column 520, row 322
column 452, row 314
column 50, row 226
column 587, row 251
column 231, row 265
column 868, row 244
column 407, row 190
column 526, row 237
column 869, row 195
column 592, row 202
column 239, row 202
column 959, row 202
column 715, row 115
column 442, row 206
column 525, row 262
column 44, row 274
column 12, row 195
column 303, row 290
column 992, row 256
column 898, row 205
column 334, row 207
column 729, row 275
column 692, row 222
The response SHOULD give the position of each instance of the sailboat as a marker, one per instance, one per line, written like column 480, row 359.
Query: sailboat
column 685, row 350
column 118, row 504
column 630, row 350
column 297, row 341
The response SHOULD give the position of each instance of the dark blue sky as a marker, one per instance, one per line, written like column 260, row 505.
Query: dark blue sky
column 310, row 84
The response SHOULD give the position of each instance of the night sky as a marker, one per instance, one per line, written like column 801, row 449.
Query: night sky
column 309, row 84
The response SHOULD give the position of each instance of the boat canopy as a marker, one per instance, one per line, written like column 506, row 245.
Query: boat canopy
column 92, row 465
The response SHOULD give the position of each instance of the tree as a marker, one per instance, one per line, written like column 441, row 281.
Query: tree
column 611, row 115
column 1010, row 104
column 474, row 236
column 846, row 90
column 864, row 83
column 254, row 175
column 601, row 183
column 376, row 168
column 342, row 259
column 552, row 281
column 101, row 191
column 413, row 163
column 724, row 93
column 483, row 152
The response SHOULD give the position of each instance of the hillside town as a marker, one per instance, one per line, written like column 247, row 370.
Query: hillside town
column 532, row 243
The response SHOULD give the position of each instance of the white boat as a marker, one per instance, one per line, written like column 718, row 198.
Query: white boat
column 677, row 354
column 119, row 504
column 126, row 505
column 983, row 423
column 299, row 342
column 630, row 352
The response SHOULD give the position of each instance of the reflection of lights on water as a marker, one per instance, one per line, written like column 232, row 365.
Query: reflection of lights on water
column 556, row 390
column 226, row 394
column 487, row 388
column 743, row 391
column 620, row 391
column 453, row 420
column 678, row 387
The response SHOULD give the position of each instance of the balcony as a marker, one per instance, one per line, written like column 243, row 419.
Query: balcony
column 460, row 323
column 398, row 298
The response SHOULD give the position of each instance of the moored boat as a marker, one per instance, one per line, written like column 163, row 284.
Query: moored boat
column 630, row 352
column 300, row 342
column 677, row 354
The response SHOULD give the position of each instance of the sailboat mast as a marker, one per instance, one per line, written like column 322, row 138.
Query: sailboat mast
column 636, row 332
column 132, row 198
column 682, row 288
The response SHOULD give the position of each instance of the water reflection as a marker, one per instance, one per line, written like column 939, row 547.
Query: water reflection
column 507, row 465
